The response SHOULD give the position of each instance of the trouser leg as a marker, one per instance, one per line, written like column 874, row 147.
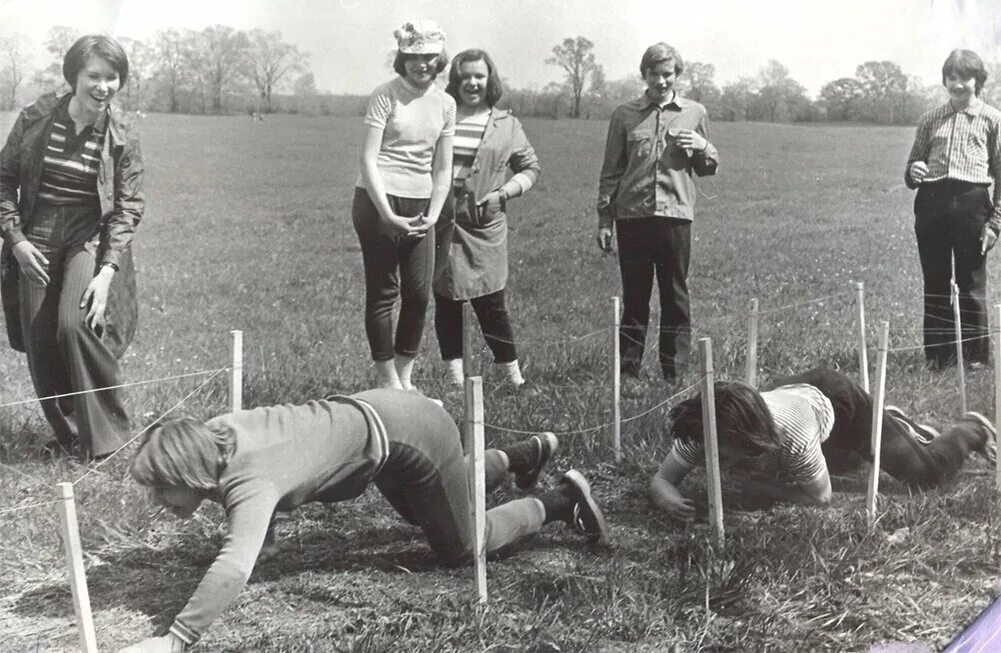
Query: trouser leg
column 416, row 274
column 673, row 255
column 971, row 211
column 448, row 326
column 380, row 257
column 933, row 233
column 492, row 314
column 100, row 416
column 637, row 270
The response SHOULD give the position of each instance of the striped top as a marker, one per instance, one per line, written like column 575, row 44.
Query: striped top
column 803, row 418
column 468, row 135
column 960, row 145
column 70, row 164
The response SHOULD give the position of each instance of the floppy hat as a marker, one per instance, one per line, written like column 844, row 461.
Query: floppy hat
column 420, row 37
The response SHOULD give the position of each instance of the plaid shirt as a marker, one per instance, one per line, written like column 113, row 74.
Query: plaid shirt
column 960, row 145
column 644, row 173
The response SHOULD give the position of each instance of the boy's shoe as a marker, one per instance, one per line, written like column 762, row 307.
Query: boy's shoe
column 586, row 517
column 546, row 445
column 989, row 450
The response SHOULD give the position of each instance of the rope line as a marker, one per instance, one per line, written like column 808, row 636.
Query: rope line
column 100, row 463
column 762, row 311
column 115, row 387
column 27, row 506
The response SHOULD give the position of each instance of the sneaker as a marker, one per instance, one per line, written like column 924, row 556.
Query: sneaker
column 546, row 445
column 920, row 432
column 989, row 450
column 587, row 517
column 976, row 366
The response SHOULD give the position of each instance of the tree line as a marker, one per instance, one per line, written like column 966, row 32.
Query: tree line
column 219, row 69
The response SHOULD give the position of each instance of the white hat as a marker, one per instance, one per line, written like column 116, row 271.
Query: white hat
column 420, row 37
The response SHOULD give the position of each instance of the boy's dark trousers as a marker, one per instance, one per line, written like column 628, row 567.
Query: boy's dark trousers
column 949, row 221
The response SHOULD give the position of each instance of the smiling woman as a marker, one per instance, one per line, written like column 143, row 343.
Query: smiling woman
column 70, row 199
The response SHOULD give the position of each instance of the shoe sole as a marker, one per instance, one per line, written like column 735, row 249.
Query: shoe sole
column 992, row 435
column 577, row 480
column 528, row 481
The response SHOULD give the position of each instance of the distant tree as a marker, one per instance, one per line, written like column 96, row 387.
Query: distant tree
column 596, row 89
column 698, row 83
column 57, row 42
column 991, row 93
column 224, row 58
column 576, row 57
column 271, row 59
column 170, row 49
column 13, row 68
column 736, row 98
column 843, row 99
column 304, row 93
column 884, row 83
column 142, row 59
column 195, row 54
column 779, row 97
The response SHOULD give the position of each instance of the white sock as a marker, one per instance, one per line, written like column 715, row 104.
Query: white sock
column 385, row 372
column 512, row 373
column 455, row 375
column 404, row 368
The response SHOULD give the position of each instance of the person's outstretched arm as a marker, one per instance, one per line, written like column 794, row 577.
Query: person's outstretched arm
column 664, row 488
column 815, row 492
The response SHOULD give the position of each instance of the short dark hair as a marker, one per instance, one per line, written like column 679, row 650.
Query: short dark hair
column 95, row 44
column 402, row 57
column 494, row 88
column 965, row 64
column 742, row 419
column 658, row 53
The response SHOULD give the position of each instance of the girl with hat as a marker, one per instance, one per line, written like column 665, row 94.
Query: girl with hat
column 406, row 176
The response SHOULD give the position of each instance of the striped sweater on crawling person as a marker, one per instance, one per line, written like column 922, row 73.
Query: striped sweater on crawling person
column 803, row 419
column 71, row 162
column 285, row 456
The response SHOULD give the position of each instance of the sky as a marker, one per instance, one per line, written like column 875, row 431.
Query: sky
column 349, row 40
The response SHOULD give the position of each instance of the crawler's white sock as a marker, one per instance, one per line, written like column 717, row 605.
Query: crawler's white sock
column 512, row 373
column 455, row 375
column 385, row 372
column 404, row 369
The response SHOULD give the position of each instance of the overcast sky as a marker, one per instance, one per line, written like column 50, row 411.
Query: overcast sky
column 348, row 39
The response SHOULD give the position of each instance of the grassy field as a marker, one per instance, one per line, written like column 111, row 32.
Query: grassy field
column 248, row 227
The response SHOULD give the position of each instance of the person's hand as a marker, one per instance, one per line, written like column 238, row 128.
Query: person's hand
column 33, row 263
column 679, row 507
column 689, row 139
column 918, row 171
column 489, row 202
column 166, row 644
column 415, row 227
column 605, row 239
column 987, row 239
column 95, row 297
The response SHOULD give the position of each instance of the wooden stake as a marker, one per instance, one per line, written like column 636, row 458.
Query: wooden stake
column 960, row 368
column 710, row 443
column 876, row 440
column 74, row 562
column 997, row 387
column 616, row 384
column 236, row 372
column 467, row 339
column 752, row 345
column 863, row 354
column 476, row 475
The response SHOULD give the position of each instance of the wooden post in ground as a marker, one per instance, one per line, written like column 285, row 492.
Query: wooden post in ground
column 863, row 354
column 710, row 443
column 997, row 387
column 616, row 384
column 467, row 339
column 752, row 345
column 876, row 441
column 960, row 368
column 74, row 562
column 476, row 475
column 236, row 372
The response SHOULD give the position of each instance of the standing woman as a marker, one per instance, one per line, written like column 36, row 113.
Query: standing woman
column 955, row 157
column 473, row 239
column 70, row 199
column 406, row 168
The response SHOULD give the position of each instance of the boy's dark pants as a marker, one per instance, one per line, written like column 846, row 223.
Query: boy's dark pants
column 949, row 220
column 901, row 456
column 648, row 246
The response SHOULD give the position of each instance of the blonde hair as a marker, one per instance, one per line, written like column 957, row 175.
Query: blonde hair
column 183, row 452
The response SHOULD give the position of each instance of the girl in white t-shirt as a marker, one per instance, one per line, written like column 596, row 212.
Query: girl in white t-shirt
column 406, row 174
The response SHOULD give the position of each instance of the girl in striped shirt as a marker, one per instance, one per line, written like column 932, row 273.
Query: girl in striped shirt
column 788, row 438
